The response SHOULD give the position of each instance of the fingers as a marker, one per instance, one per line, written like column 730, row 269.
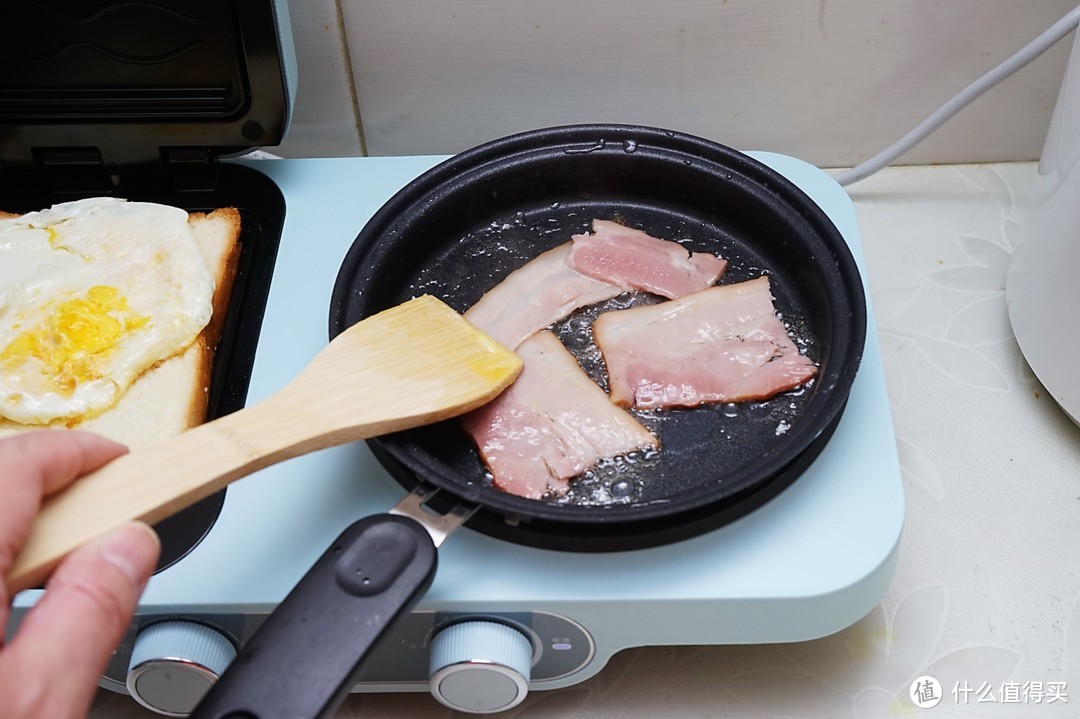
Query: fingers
column 52, row 665
column 65, row 641
column 36, row 464
column 54, row 457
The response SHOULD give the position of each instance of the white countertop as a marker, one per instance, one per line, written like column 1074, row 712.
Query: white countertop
column 986, row 597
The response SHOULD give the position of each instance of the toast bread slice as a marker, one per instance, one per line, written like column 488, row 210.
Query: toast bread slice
column 173, row 395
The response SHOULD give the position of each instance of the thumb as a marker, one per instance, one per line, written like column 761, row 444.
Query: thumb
column 67, row 638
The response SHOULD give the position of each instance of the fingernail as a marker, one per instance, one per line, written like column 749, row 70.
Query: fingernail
column 133, row 549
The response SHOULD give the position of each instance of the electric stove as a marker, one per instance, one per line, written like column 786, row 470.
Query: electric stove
column 808, row 563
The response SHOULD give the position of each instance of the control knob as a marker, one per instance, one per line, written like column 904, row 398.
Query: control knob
column 480, row 666
column 174, row 663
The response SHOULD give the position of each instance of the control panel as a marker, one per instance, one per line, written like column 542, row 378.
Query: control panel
column 472, row 662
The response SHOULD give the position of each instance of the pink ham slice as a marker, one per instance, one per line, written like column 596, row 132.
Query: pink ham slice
column 552, row 424
column 589, row 269
column 632, row 259
column 542, row 291
column 722, row 344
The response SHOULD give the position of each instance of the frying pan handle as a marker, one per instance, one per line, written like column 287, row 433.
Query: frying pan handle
column 303, row 659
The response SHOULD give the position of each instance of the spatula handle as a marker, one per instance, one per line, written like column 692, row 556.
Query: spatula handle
column 158, row 481
column 303, row 660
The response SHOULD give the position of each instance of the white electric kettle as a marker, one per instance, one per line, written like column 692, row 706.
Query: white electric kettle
column 1043, row 282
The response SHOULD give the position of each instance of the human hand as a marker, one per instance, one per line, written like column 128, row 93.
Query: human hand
column 51, row 667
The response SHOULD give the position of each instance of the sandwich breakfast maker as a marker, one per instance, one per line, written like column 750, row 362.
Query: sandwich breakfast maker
column 202, row 84
column 140, row 101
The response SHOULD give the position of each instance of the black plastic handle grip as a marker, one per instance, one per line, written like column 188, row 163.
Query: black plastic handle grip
column 302, row 661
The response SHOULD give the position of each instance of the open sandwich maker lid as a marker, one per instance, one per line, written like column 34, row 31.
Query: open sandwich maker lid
column 92, row 88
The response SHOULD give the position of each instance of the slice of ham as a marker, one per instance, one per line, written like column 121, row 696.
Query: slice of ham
column 589, row 269
column 633, row 259
column 542, row 291
column 552, row 424
column 722, row 344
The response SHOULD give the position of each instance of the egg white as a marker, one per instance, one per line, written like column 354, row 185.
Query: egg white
column 144, row 252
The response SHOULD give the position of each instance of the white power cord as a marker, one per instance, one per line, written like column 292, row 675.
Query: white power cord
column 962, row 99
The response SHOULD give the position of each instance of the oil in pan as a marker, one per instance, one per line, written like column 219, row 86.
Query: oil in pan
column 722, row 434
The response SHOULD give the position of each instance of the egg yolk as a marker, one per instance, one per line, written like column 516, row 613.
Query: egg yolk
column 74, row 342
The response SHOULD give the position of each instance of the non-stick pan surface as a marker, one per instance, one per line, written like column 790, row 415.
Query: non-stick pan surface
column 460, row 228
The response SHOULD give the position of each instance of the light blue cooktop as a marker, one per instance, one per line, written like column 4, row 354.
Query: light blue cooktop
column 808, row 563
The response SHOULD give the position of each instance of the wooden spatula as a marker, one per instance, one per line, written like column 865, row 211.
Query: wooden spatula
column 414, row 364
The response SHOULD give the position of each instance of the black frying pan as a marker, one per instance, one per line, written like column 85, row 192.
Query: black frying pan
column 455, row 232
column 459, row 229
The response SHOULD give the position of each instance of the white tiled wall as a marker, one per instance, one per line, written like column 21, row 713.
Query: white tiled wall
column 325, row 121
column 831, row 81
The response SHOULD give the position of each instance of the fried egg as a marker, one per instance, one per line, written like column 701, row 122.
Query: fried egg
column 92, row 294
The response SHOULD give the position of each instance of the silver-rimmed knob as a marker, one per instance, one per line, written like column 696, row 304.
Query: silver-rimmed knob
column 480, row 666
column 174, row 663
